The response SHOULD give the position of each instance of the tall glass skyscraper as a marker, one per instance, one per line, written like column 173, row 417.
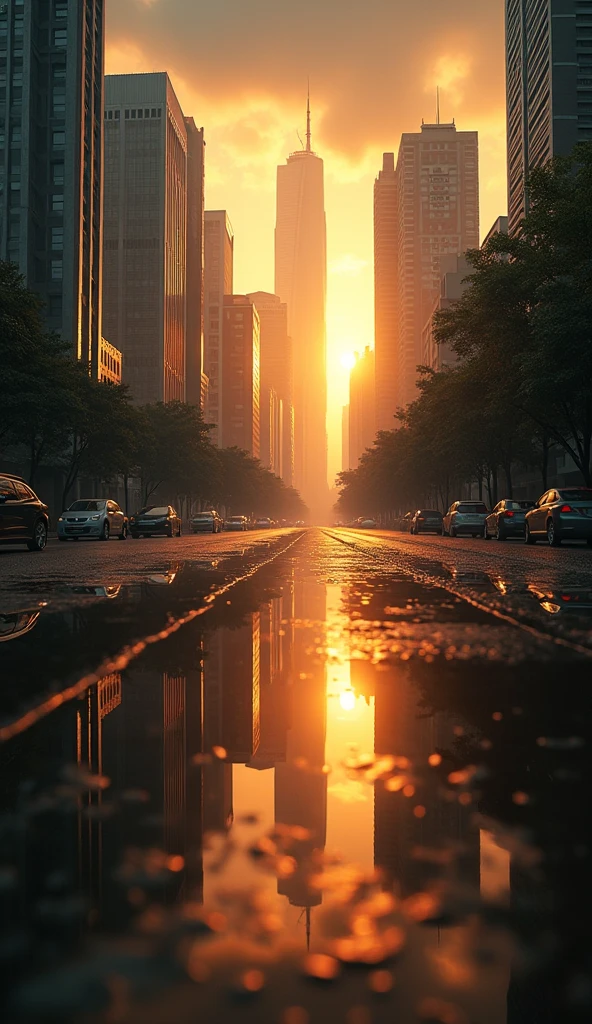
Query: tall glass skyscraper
column 549, row 87
column 300, row 281
column 51, row 132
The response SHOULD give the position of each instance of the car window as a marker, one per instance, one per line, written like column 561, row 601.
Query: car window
column 585, row 494
column 7, row 488
column 87, row 506
column 472, row 507
column 516, row 506
column 157, row 510
column 23, row 491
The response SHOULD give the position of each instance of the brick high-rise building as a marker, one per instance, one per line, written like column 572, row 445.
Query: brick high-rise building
column 218, row 277
column 277, row 431
column 51, row 154
column 385, row 291
column 300, row 281
column 240, row 376
column 549, row 87
column 437, row 182
column 145, row 234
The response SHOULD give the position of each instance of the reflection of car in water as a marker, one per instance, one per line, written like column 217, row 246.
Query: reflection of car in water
column 577, row 600
column 475, row 579
column 97, row 591
column 14, row 624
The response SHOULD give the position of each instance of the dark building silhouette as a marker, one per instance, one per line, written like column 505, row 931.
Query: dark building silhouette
column 240, row 422
column 51, row 121
column 218, row 277
column 385, row 292
column 277, row 385
column 196, row 389
column 548, row 82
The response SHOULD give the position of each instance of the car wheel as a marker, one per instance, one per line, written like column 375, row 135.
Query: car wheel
column 553, row 535
column 169, row 531
column 452, row 531
column 39, row 537
column 63, row 539
column 135, row 536
column 179, row 530
column 123, row 534
column 528, row 537
column 499, row 533
column 486, row 533
column 105, row 531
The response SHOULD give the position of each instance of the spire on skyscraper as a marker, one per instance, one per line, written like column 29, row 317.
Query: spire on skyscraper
column 308, row 132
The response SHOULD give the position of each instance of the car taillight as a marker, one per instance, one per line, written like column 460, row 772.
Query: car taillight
column 508, row 515
column 566, row 508
column 420, row 519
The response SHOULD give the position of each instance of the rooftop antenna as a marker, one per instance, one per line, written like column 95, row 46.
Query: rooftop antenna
column 437, row 104
column 308, row 132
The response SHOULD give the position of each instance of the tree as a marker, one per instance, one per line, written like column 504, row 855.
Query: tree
column 173, row 448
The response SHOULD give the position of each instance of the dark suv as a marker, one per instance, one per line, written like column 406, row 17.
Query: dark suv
column 24, row 518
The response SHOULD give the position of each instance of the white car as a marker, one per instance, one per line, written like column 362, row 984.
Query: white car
column 98, row 518
column 465, row 517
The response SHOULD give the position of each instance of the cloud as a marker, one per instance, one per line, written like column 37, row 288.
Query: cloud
column 373, row 67
column 348, row 265
column 350, row 792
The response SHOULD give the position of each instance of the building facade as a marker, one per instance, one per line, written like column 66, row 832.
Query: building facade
column 385, row 291
column 362, row 407
column 240, row 378
column 300, row 281
column 218, row 278
column 109, row 363
column 437, row 179
column 145, row 234
column 196, row 388
column 549, row 87
column 345, row 438
column 51, row 153
column 277, row 383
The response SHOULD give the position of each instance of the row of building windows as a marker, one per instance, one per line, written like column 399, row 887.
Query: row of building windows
column 137, row 114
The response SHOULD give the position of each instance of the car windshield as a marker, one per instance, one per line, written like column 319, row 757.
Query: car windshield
column 235, row 519
column 204, row 515
column 87, row 506
column 155, row 510
column 473, row 507
column 429, row 512
column 584, row 494
column 517, row 506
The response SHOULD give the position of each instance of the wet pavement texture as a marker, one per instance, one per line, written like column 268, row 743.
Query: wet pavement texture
column 296, row 776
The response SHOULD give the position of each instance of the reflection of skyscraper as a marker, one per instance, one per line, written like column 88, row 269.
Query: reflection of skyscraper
column 300, row 280
column 273, row 689
column 300, row 785
column 238, row 679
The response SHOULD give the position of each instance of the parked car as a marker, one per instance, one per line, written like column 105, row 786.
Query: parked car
column 426, row 520
column 93, row 518
column 465, row 517
column 264, row 523
column 206, row 522
column 236, row 523
column 561, row 514
column 403, row 523
column 365, row 523
column 24, row 518
column 507, row 519
column 155, row 520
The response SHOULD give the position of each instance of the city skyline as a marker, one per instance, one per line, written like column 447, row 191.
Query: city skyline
column 252, row 120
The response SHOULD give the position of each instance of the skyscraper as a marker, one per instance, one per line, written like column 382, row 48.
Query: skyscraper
column 145, row 234
column 549, row 87
column 437, row 181
column 362, row 423
column 277, row 431
column 300, row 281
column 51, row 152
column 194, row 364
column 218, row 277
column 240, row 376
column 385, row 291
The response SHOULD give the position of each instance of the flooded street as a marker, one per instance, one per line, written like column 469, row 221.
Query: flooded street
column 324, row 775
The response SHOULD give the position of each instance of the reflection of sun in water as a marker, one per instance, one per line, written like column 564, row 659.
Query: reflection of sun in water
column 347, row 699
column 347, row 360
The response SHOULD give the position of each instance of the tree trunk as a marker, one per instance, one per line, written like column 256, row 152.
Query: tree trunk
column 494, row 486
column 509, row 484
column 480, row 485
column 545, row 462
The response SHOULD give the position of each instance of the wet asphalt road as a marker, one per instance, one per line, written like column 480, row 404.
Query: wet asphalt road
column 293, row 654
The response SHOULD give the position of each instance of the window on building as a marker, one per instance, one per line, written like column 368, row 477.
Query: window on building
column 57, row 203
column 58, row 139
column 60, row 38
column 57, row 239
column 55, row 305
column 57, row 270
column 57, row 174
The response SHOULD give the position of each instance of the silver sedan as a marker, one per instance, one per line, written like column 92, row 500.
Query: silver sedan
column 92, row 518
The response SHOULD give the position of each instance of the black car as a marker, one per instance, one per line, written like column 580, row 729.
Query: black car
column 426, row 520
column 24, row 519
column 155, row 519
column 508, row 519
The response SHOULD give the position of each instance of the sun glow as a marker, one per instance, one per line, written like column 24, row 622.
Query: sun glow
column 347, row 360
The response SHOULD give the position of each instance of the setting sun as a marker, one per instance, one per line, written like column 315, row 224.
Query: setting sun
column 347, row 360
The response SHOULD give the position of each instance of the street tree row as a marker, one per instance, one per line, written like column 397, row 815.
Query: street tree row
column 521, row 383
column 52, row 413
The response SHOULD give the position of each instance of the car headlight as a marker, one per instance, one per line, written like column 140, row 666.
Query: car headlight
column 60, row 519
column 95, row 517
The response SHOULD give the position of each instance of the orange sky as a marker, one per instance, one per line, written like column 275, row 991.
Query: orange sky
column 239, row 67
